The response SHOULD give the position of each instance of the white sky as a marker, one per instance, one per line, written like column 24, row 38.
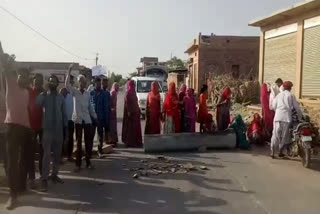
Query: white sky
column 123, row 31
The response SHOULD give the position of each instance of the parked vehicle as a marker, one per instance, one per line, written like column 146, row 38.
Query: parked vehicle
column 301, row 142
column 143, row 87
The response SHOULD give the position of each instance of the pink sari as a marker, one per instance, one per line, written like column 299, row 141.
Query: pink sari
column 223, row 110
column 131, row 126
column 113, row 133
column 190, row 111
column 268, row 114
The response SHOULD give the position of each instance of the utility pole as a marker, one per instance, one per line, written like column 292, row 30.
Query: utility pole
column 97, row 58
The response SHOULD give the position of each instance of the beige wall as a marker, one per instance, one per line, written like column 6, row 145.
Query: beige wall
column 299, row 20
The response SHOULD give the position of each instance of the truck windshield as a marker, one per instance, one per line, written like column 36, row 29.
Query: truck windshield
column 144, row 86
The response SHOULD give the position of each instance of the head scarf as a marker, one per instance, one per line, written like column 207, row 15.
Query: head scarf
column 115, row 87
column 287, row 85
column 256, row 117
column 172, row 89
column 130, row 87
column 226, row 94
column 239, row 122
column 264, row 96
column 183, row 88
column 155, row 88
column 189, row 92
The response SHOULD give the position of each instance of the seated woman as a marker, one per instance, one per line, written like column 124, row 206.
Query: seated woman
column 239, row 128
column 209, row 126
column 256, row 132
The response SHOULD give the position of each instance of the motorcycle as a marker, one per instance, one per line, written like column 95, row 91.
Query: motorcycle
column 301, row 142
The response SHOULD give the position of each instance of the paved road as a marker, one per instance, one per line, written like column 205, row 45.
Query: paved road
column 236, row 182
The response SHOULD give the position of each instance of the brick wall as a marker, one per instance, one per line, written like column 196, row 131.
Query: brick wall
column 223, row 52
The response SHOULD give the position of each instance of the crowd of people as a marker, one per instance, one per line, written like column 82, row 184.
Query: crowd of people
column 180, row 113
column 45, row 119
column 44, row 116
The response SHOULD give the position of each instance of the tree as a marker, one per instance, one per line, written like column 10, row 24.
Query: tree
column 176, row 63
column 133, row 74
column 116, row 78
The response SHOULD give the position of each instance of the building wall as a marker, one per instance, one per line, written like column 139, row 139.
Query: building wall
column 227, row 54
column 305, row 71
column 193, row 69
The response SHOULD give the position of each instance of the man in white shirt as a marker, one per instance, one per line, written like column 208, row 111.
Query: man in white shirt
column 275, row 88
column 68, row 131
column 283, row 105
column 82, row 114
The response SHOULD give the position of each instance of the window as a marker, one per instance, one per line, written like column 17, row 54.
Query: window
column 144, row 86
column 235, row 69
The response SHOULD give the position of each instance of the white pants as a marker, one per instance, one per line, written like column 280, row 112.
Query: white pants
column 280, row 135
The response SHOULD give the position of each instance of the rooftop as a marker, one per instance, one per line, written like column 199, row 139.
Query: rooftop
column 288, row 13
column 48, row 65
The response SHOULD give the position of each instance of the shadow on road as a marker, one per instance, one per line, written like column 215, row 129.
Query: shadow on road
column 111, row 189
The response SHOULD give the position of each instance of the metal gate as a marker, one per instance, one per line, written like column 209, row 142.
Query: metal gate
column 311, row 63
column 280, row 58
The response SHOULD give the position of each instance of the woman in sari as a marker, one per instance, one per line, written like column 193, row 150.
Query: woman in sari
column 113, row 133
column 268, row 114
column 153, row 111
column 223, row 110
column 182, row 94
column 131, row 127
column 256, row 131
column 190, row 111
column 239, row 128
column 171, row 112
column 203, row 108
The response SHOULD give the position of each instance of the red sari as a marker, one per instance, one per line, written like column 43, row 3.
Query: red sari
column 256, row 131
column 171, row 107
column 223, row 110
column 131, row 126
column 203, row 109
column 153, row 121
column 268, row 114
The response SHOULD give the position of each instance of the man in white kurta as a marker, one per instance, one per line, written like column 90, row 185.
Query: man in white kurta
column 275, row 89
column 283, row 105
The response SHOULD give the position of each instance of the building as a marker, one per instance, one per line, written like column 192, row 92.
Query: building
column 59, row 69
column 151, row 67
column 290, row 48
column 216, row 55
column 178, row 76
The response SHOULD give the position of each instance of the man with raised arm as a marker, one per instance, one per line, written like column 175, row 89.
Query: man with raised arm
column 82, row 118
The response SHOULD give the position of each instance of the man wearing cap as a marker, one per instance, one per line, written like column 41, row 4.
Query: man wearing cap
column 284, row 104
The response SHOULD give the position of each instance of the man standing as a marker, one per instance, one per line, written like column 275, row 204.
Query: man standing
column 19, row 134
column 82, row 118
column 275, row 88
column 69, row 131
column 284, row 104
column 36, row 114
column 55, row 119
column 100, row 102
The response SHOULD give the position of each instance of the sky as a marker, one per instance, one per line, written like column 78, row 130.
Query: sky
column 123, row 31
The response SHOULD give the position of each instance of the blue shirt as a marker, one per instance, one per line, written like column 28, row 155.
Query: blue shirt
column 101, row 103
column 69, row 105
